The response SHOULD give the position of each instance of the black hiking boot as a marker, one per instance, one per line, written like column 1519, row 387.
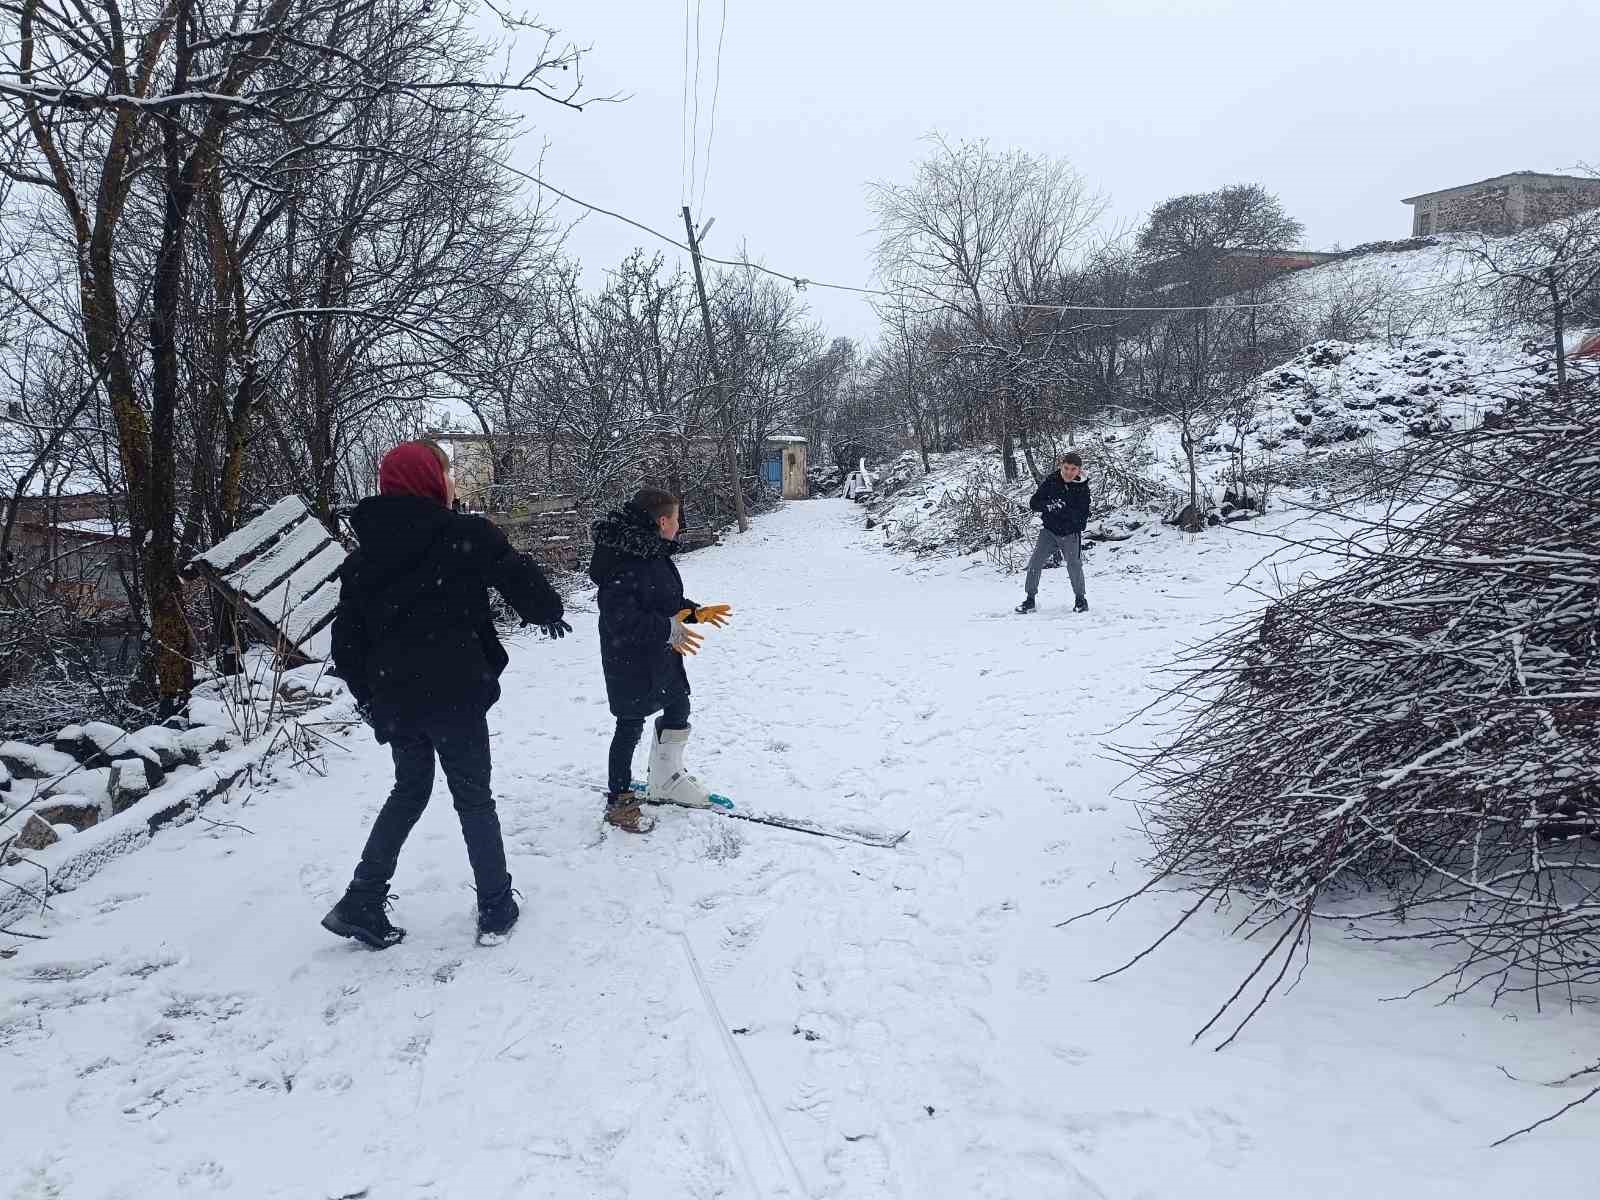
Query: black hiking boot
column 1081, row 604
column 1027, row 605
column 496, row 920
column 362, row 917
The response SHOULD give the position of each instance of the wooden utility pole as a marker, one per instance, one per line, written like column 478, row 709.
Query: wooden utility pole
column 728, row 432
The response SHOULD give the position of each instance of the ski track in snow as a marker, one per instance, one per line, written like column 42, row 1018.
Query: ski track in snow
column 902, row 1023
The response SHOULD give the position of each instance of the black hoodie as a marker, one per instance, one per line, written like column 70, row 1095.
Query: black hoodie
column 640, row 592
column 1064, row 506
column 413, row 636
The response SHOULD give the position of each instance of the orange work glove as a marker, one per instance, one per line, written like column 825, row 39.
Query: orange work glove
column 713, row 614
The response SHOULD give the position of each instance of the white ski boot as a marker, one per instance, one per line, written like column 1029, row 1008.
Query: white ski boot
column 668, row 781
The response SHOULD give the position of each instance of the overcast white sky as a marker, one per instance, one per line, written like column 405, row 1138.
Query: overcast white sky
column 1341, row 108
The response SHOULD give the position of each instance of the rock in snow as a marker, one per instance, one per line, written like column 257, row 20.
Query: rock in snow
column 34, row 762
column 129, row 783
column 80, row 812
column 27, row 831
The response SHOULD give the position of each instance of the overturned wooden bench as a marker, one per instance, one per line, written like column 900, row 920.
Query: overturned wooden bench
column 281, row 574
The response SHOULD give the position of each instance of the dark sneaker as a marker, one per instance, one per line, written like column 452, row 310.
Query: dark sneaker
column 496, row 921
column 363, row 918
column 623, row 812
column 1081, row 604
column 1026, row 606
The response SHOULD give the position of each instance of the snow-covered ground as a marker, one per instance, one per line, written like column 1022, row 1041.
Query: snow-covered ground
column 720, row 1010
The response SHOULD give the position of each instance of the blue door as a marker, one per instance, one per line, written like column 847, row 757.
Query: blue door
column 772, row 470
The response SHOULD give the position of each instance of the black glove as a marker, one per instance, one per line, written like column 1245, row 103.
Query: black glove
column 556, row 629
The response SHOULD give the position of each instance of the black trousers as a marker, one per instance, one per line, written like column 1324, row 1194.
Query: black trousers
column 619, row 767
column 462, row 746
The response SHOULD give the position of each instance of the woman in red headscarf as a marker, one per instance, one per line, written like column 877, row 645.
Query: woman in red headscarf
column 414, row 640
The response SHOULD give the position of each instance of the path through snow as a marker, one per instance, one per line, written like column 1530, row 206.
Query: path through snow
column 717, row 1010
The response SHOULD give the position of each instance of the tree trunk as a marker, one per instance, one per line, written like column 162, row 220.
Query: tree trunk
column 1008, row 446
column 1194, row 476
column 1560, row 347
column 169, row 626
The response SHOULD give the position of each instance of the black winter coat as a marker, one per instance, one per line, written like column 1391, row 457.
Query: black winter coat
column 413, row 636
column 1064, row 506
column 640, row 592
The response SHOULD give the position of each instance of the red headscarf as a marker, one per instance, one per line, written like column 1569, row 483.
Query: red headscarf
column 412, row 469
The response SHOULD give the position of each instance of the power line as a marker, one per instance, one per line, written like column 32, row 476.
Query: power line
column 801, row 282
column 1217, row 308
column 716, row 92
column 683, row 159
column 694, row 141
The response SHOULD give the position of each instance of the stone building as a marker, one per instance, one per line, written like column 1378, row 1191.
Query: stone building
column 1502, row 204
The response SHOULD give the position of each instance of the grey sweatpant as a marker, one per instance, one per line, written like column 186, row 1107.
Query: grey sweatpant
column 1071, row 547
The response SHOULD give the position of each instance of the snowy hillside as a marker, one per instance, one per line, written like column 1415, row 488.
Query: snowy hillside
column 1332, row 399
column 1420, row 288
column 1424, row 363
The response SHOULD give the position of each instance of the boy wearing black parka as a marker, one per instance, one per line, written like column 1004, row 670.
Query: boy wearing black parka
column 645, row 634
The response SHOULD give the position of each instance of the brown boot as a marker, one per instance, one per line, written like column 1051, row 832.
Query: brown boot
column 623, row 811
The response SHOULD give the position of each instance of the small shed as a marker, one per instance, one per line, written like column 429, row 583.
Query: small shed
column 783, row 464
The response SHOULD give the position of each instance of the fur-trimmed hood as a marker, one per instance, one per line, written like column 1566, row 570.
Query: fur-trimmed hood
column 626, row 532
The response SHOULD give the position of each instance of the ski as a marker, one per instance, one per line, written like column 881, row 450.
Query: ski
column 863, row 835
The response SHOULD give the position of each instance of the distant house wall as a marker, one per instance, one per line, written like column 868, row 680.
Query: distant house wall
column 82, row 568
column 471, row 466
column 1503, row 204
column 1237, row 270
column 85, row 507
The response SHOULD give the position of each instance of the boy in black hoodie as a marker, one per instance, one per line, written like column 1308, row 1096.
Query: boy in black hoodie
column 1062, row 499
column 645, row 635
column 414, row 640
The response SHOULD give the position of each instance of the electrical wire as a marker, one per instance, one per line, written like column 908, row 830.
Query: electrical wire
column 716, row 92
column 801, row 282
column 694, row 137
column 683, row 159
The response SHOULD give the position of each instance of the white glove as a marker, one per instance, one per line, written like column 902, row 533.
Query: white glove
column 683, row 639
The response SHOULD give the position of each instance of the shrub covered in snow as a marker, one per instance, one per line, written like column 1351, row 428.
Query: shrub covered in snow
column 53, row 672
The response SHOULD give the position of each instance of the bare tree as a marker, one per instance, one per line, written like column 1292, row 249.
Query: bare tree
column 1544, row 277
column 124, row 115
column 971, row 238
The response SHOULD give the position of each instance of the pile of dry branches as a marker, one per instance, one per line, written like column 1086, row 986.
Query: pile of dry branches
column 1411, row 743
